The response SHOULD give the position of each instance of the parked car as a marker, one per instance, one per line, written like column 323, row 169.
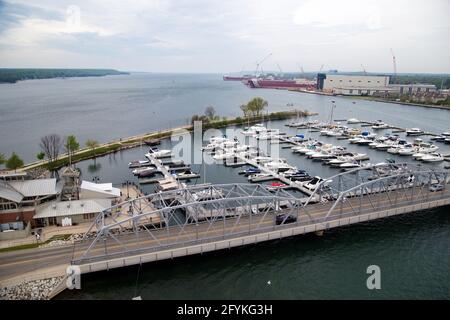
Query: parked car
column 436, row 187
column 289, row 219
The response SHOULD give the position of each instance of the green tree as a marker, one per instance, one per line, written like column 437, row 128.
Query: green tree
column 40, row 155
column 71, row 144
column 2, row 158
column 14, row 162
column 257, row 105
column 93, row 144
column 245, row 110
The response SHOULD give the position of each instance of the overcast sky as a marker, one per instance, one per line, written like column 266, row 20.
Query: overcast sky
column 226, row 35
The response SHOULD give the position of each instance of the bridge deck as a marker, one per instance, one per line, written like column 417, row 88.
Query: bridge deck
column 164, row 243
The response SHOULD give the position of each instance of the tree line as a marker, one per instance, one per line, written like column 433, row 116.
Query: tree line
column 253, row 108
column 51, row 146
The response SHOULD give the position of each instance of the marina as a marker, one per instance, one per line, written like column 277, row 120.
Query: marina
column 296, row 176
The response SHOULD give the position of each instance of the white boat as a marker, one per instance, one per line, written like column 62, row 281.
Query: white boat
column 407, row 151
column 187, row 175
column 445, row 134
column 353, row 121
column 383, row 146
column 255, row 129
column 360, row 156
column 349, row 165
column 278, row 166
column 433, row 157
column 138, row 163
column 380, row 125
column 142, row 169
column 208, row 195
column 262, row 159
column 156, row 153
column 217, row 140
column 414, row 132
column 354, row 140
column 394, row 149
column 259, row 177
column 419, row 155
column 312, row 184
column 364, row 141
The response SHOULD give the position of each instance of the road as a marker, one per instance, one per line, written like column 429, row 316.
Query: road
column 38, row 260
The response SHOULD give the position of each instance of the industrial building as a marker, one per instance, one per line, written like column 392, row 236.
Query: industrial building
column 330, row 82
column 357, row 85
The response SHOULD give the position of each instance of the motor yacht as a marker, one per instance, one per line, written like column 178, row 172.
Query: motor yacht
column 380, row 125
column 433, row 157
column 156, row 153
column 414, row 132
column 312, row 184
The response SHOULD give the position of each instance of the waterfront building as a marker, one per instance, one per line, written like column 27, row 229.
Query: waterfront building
column 27, row 203
column 67, row 213
column 368, row 85
column 331, row 82
column 19, row 198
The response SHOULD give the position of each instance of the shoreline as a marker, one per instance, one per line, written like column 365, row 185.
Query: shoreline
column 406, row 103
column 443, row 107
column 139, row 139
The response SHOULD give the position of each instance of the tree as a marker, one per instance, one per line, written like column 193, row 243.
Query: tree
column 40, row 155
column 14, row 162
column 244, row 109
column 72, row 144
column 210, row 112
column 50, row 145
column 257, row 105
column 93, row 144
column 2, row 158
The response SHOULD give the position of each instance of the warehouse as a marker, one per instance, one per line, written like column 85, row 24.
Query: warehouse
column 330, row 82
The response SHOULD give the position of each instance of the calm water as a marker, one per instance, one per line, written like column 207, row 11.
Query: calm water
column 412, row 251
column 107, row 108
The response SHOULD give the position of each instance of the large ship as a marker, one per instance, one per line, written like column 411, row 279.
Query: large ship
column 237, row 78
column 299, row 84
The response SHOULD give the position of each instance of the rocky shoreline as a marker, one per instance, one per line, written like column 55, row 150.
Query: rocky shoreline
column 32, row 290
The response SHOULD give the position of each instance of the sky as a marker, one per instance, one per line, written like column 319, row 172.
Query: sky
column 212, row 36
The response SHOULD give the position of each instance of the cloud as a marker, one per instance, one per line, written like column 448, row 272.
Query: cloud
column 221, row 36
column 331, row 13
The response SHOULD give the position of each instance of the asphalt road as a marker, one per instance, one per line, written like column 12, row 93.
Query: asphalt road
column 16, row 263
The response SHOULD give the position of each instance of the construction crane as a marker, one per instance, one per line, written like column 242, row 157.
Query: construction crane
column 395, row 65
column 258, row 64
column 364, row 70
column 279, row 68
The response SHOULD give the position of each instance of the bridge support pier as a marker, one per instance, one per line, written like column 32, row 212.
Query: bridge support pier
column 319, row 233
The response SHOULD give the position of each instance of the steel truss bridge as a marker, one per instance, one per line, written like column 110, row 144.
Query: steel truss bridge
column 205, row 218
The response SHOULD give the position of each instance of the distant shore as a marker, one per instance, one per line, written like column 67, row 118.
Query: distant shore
column 14, row 75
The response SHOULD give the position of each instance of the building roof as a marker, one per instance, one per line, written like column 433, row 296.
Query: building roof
column 7, row 192
column 102, row 189
column 34, row 188
column 70, row 208
column 5, row 174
